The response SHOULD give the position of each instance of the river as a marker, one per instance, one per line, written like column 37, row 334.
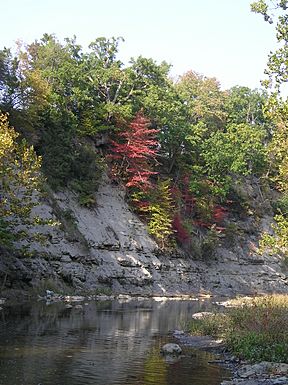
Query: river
column 107, row 343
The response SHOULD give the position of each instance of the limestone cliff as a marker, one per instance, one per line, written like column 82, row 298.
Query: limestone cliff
column 109, row 247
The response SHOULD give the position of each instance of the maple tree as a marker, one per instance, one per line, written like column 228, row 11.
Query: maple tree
column 135, row 152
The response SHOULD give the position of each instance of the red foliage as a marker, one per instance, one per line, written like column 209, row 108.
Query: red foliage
column 135, row 152
column 200, row 223
column 182, row 235
column 176, row 193
column 208, row 225
column 141, row 205
column 183, row 196
column 219, row 214
column 187, row 197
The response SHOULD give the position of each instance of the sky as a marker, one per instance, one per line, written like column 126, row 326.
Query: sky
column 217, row 38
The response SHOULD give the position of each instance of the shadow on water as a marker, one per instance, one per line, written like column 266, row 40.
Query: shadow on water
column 107, row 343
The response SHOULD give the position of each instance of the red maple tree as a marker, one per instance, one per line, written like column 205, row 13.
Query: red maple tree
column 135, row 150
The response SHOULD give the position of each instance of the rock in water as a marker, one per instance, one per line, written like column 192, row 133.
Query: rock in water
column 171, row 349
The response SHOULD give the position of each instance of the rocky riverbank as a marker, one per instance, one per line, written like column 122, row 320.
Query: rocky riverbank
column 263, row 373
column 243, row 373
column 252, row 312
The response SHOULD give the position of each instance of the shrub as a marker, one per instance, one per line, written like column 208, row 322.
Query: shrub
column 256, row 346
column 282, row 204
column 259, row 329
column 157, row 206
column 277, row 243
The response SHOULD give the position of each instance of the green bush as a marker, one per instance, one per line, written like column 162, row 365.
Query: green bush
column 259, row 329
column 6, row 236
column 282, row 204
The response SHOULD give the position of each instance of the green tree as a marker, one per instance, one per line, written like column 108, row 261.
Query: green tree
column 204, row 100
column 19, row 182
column 277, row 66
column 244, row 105
column 277, row 110
column 239, row 150
column 9, row 82
column 204, row 104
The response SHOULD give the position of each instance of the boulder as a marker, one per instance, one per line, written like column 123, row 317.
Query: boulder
column 171, row 349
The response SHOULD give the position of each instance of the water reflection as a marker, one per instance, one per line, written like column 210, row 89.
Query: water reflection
column 104, row 343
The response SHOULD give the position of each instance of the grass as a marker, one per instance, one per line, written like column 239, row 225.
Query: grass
column 256, row 330
column 214, row 325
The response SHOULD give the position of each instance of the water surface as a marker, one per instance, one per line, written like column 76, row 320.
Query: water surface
column 107, row 343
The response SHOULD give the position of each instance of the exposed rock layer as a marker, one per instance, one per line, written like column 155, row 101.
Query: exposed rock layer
column 108, row 246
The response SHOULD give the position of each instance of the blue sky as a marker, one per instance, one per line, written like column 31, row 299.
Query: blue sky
column 219, row 38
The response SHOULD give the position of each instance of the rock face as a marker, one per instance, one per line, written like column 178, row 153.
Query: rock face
column 109, row 247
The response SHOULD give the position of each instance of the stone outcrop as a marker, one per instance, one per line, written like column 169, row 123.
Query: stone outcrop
column 109, row 247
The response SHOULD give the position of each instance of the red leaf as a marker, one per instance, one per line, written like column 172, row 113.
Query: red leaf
column 135, row 152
